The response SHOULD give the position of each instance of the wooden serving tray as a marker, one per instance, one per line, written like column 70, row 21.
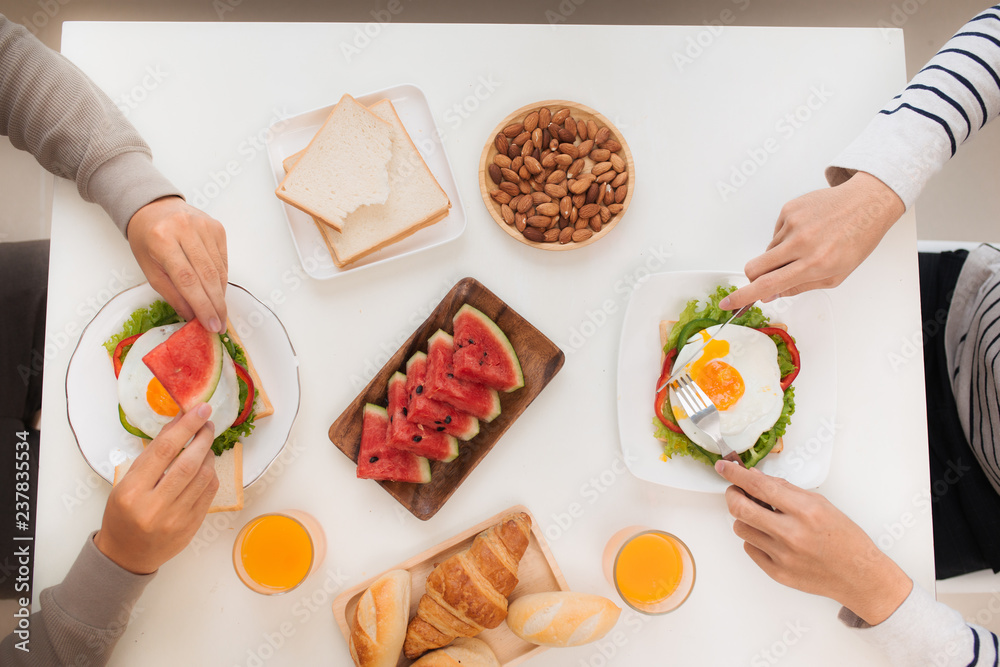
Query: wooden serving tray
column 540, row 360
column 538, row 572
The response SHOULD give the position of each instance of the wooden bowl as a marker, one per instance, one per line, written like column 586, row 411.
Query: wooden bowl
column 578, row 112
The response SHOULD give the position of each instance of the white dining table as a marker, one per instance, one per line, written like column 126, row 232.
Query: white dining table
column 726, row 124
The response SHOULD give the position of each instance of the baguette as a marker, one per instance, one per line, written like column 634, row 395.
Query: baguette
column 228, row 468
column 344, row 166
column 379, row 624
column 561, row 618
column 463, row 652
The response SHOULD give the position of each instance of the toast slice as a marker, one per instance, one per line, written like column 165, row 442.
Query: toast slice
column 228, row 468
column 416, row 200
column 667, row 325
column 262, row 404
column 344, row 167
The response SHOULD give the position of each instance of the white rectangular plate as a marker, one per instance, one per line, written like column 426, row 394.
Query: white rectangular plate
column 808, row 442
column 291, row 135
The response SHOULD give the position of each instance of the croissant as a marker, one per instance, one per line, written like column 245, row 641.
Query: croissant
column 467, row 593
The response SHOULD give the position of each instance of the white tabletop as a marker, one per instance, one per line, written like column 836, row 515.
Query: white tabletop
column 203, row 94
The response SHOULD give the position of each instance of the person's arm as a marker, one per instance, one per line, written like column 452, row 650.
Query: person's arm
column 150, row 517
column 810, row 545
column 51, row 109
column 821, row 237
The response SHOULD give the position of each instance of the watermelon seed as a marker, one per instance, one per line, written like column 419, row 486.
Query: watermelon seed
column 417, row 438
column 440, row 428
column 450, row 376
column 404, row 412
column 471, row 342
column 373, row 459
column 447, row 420
column 436, row 421
column 420, row 389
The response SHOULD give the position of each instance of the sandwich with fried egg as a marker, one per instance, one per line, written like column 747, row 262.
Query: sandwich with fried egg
column 747, row 371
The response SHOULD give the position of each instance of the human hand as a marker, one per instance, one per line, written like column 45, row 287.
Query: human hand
column 819, row 239
column 809, row 544
column 182, row 251
column 160, row 503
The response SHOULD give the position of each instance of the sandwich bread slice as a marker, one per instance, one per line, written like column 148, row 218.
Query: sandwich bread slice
column 343, row 167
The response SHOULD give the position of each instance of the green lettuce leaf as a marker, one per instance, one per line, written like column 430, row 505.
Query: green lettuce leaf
column 695, row 310
column 159, row 314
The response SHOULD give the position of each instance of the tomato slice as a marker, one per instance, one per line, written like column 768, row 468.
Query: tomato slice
column 793, row 351
column 663, row 394
column 248, row 404
column 116, row 358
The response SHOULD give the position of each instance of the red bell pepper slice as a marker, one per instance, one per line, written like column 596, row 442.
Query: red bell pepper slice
column 663, row 394
column 793, row 351
column 248, row 404
column 116, row 358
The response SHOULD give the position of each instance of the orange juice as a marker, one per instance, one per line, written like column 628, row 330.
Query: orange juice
column 648, row 568
column 274, row 553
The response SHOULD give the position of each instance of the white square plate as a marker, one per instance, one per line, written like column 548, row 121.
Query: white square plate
column 291, row 135
column 808, row 442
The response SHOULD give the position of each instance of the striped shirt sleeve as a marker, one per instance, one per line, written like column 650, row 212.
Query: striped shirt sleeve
column 926, row 632
column 945, row 105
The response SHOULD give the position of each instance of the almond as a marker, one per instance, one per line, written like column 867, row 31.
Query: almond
column 516, row 163
column 547, row 208
column 564, row 160
column 566, row 235
column 575, row 168
column 565, row 206
column 554, row 130
column 510, row 175
column 513, row 130
column 546, row 137
column 589, row 210
column 595, row 223
column 560, row 116
column 593, row 192
column 564, row 223
column 531, row 121
column 507, row 213
column 605, row 214
column 581, row 223
column 566, row 136
column 501, row 160
column 495, row 175
column 533, row 165
column 540, row 221
column 570, row 125
column 555, row 190
column 591, row 129
column 615, row 209
column 600, row 154
column 540, row 198
column 512, row 150
column 544, row 117
column 581, row 129
column 620, row 180
column 521, row 138
column 527, row 148
column 524, row 205
column 607, row 177
column 536, row 136
column 617, row 163
column 574, row 215
column 609, row 195
column 620, row 193
column 549, row 160
column 524, row 186
column 534, row 234
column 579, row 200
column 501, row 143
column 500, row 196
column 600, row 168
column 551, row 235
column 583, row 150
column 520, row 221
column 510, row 188
column 557, row 176
column 581, row 235
column 602, row 135
column 611, row 145
column 568, row 149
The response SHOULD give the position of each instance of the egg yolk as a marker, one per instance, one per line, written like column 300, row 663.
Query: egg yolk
column 160, row 400
column 723, row 383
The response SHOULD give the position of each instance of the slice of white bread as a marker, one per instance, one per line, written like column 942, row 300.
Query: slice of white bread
column 343, row 167
column 379, row 624
column 562, row 618
column 228, row 468
column 667, row 325
column 416, row 200
column 463, row 652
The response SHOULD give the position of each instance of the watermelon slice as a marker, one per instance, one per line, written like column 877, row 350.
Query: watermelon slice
column 406, row 435
column 376, row 460
column 188, row 364
column 434, row 414
column 483, row 353
column 442, row 385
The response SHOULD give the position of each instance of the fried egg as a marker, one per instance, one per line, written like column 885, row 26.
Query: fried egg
column 149, row 407
column 739, row 371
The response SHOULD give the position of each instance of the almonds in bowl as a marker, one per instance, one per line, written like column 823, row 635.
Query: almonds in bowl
column 556, row 175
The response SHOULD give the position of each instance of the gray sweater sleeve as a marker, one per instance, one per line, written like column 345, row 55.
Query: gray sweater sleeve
column 51, row 109
column 81, row 618
column 947, row 103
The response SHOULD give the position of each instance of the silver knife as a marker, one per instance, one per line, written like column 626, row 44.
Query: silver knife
column 678, row 373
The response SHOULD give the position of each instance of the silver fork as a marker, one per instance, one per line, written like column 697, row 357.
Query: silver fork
column 702, row 412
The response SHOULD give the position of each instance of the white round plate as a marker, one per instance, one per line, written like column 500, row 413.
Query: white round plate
column 808, row 441
column 92, row 396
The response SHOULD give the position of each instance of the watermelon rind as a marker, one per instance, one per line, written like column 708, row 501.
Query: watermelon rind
column 503, row 372
column 435, row 414
column 478, row 400
column 412, row 437
column 390, row 464
column 171, row 364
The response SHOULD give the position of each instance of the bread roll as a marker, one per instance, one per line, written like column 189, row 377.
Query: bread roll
column 379, row 624
column 463, row 652
column 561, row 618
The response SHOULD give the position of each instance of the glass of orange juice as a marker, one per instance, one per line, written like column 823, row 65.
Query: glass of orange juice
column 274, row 553
column 653, row 571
